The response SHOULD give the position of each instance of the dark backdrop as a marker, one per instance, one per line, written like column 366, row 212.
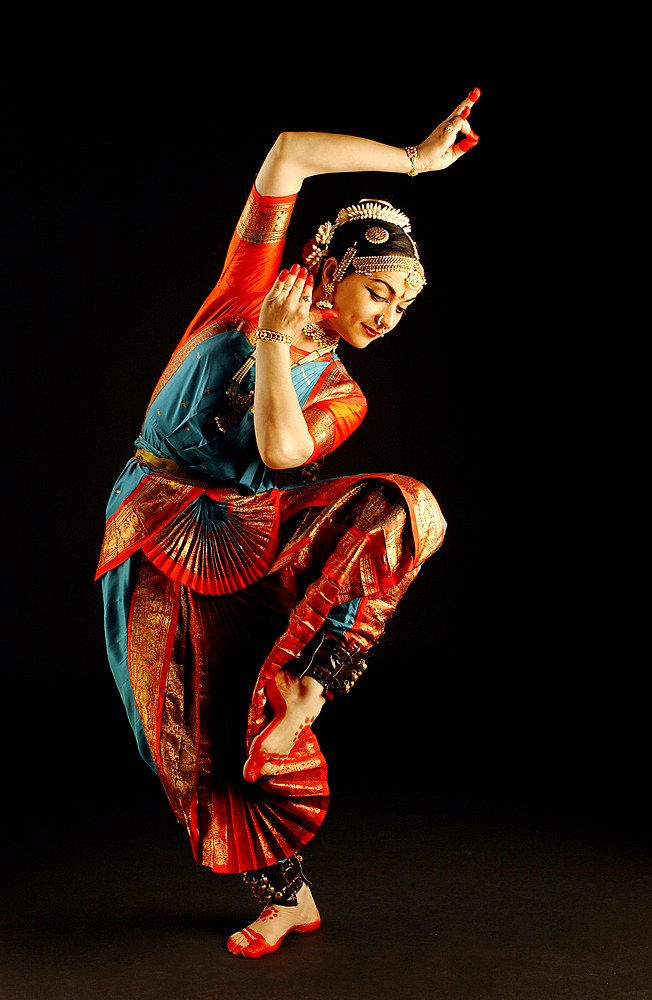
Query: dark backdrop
column 497, row 688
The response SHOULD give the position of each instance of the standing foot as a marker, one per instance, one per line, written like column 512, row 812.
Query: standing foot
column 265, row 934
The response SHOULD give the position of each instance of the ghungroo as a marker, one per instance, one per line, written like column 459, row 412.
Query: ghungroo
column 279, row 883
column 330, row 663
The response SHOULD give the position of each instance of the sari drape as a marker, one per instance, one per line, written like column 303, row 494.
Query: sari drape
column 214, row 579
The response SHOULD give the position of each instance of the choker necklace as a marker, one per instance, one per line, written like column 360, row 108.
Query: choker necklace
column 320, row 337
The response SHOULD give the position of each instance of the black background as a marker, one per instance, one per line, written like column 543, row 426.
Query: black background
column 502, row 687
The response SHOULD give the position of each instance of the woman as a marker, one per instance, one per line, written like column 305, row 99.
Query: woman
column 235, row 610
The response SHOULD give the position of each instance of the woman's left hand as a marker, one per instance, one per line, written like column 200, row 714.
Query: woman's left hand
column 439, row 150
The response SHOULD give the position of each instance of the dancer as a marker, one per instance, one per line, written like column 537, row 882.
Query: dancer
column 235, row 610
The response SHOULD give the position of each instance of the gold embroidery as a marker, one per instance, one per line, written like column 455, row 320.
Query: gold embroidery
column 320, row 428
column 265, row 223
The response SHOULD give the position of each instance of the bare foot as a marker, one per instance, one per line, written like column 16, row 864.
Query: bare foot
column 296, row 702
column 265, row 934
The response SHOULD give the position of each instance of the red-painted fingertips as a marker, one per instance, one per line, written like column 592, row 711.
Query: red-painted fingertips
column 283, row 275
column 310, row 280
column 303, row 272
column 474, row 94
column 465, row 113
column 468, row 143
column 329, row 313
column 294, row 269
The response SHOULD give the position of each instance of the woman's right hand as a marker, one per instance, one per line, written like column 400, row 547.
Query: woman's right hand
column 286, row 307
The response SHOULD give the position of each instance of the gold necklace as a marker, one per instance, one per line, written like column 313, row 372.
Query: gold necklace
column 320, row 337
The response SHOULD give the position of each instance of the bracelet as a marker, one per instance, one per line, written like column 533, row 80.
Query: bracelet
column 279, row 338
column 412, row 154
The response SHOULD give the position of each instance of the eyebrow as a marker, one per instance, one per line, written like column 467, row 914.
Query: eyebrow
column 383, row 282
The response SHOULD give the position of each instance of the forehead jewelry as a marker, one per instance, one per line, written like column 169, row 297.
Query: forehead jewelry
column 380, row 211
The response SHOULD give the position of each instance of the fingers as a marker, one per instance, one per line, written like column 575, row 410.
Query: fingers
column 450, row 132
column 468, row 142
column 291, row 293
column 295, row 279
column 458, row 122
column 467, row 103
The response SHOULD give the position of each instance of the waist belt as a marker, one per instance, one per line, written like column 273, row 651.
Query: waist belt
column 159, row 462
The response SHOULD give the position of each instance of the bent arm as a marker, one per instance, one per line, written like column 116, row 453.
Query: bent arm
column 297, row 155
column 282, row 435
column 281, row 431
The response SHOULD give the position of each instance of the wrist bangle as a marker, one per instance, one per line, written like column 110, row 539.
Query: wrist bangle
column 278, row 338
column 412, row 155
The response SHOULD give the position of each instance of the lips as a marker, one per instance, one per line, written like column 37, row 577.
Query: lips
column 369, row 331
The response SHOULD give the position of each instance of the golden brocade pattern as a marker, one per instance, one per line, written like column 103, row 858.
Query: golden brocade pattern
column 195, row 658
column 153, row 613
column 320, row 428
column 265, row 222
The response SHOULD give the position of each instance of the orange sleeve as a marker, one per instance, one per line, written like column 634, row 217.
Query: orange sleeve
column 332, row 421
column 252, row 262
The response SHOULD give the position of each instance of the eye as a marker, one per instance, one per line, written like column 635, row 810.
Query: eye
column 375, row 296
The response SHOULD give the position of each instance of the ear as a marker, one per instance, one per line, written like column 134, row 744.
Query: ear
column 329, row 269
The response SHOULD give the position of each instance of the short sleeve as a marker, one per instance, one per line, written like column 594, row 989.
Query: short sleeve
column 334, row 409
column 252, row 262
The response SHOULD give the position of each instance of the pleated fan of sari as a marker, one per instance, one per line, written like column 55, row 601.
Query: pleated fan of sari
column 203, row 688
column 216, row 546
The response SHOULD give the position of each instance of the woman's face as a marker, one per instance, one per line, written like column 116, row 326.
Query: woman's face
column 369, row 306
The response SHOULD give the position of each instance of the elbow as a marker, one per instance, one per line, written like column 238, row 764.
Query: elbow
column 290, row 148
column 285, row 458
column 284, row 144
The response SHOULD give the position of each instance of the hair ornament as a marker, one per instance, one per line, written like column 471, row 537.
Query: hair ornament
column 316, row 250
column 377, row 235
column 368, row 209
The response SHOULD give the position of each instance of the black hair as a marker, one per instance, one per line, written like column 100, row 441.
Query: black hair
column 398, row 242
column 354, row 233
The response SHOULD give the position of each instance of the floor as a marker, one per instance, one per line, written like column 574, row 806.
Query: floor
column 448, row 903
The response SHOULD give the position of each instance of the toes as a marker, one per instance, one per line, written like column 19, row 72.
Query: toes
column 236, row 943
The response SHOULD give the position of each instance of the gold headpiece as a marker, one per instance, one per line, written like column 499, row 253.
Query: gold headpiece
column 416, row 278
column 381, row 211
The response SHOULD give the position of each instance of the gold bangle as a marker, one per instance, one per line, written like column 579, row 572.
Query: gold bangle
column 278, row 338
column 412, row 154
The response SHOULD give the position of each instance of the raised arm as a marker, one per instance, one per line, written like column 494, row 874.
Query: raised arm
column 297, row 155
column 281, row 430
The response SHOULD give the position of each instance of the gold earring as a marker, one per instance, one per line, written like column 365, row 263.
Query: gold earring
column 325, row 303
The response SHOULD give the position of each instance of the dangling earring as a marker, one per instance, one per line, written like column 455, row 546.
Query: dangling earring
column 325, row 303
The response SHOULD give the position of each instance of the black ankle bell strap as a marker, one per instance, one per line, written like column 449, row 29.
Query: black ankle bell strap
column 329, row 662
column 279, row 883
